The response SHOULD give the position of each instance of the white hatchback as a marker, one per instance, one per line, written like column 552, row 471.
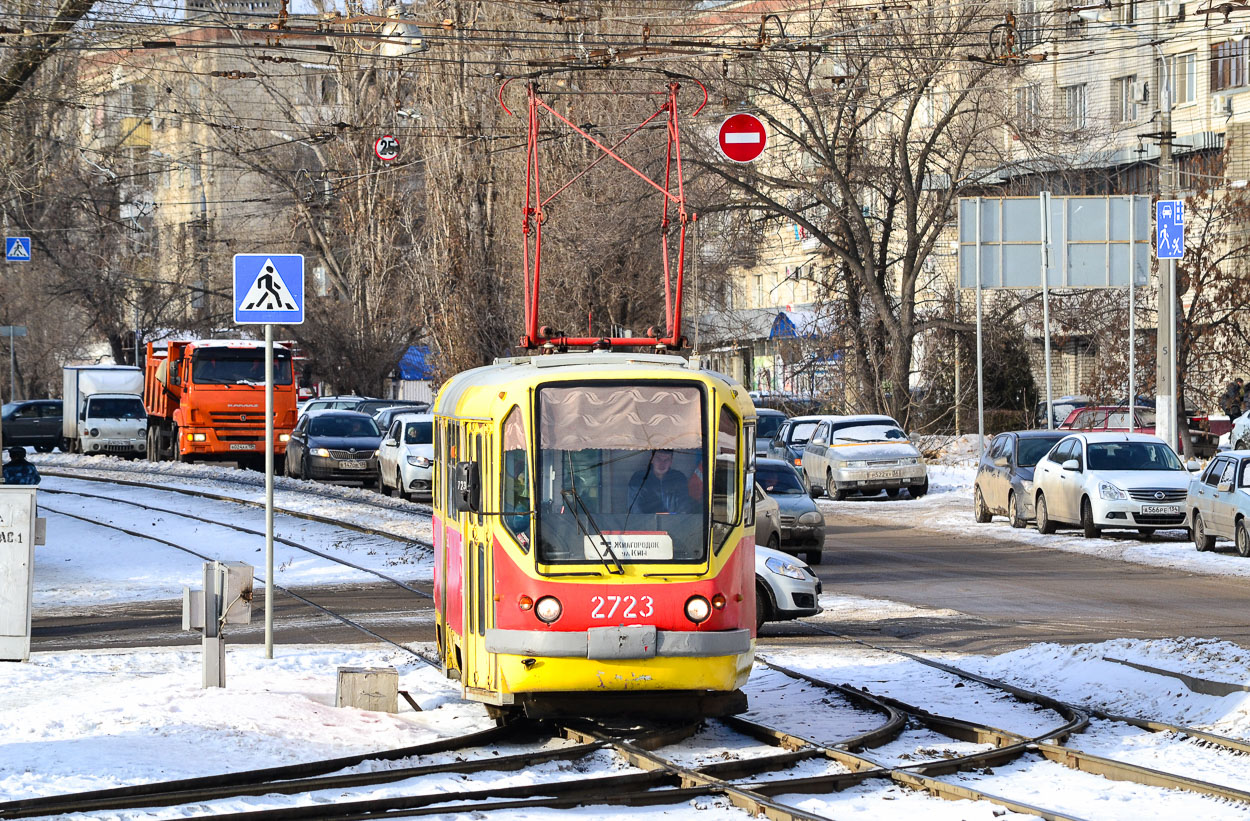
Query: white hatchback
column 1121, row 480
column 406, row 456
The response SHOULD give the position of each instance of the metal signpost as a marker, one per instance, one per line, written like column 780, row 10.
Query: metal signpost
column 1098, row 242
column 1170, row 246
column 12, row 332
column 268, row 289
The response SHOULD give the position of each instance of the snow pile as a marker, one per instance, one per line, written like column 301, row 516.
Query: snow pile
column 962, row 450
column 1081, row 674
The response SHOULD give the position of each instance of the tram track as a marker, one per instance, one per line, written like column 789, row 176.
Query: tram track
column 660, row 780
column 139, row 534
column 299, row 514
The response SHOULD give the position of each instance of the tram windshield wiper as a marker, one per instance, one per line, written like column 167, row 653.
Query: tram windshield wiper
column 575, row 503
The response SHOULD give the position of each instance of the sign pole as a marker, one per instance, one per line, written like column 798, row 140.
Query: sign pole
column 980, row 358
column 1044, row 201
column 1132, row 304
column 269, row 587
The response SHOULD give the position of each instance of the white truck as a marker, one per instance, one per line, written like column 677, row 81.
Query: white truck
column 103, row 410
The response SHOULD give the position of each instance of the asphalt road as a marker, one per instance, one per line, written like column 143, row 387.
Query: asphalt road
column 1014, row 594
column 1009, row 595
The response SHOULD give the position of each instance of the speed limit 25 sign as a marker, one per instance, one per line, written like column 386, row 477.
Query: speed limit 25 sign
column 386, row 147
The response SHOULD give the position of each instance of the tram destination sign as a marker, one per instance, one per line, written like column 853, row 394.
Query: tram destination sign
column 1000, row 242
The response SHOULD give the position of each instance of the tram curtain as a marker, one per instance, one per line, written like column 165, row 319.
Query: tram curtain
column 627, row 417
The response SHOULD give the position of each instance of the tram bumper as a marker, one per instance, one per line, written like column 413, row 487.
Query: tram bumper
column 618, row 643
column 621, row 659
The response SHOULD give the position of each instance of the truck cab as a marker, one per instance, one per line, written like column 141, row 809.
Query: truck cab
column 114, row 423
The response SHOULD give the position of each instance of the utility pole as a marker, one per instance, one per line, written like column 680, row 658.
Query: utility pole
column 1165, row 340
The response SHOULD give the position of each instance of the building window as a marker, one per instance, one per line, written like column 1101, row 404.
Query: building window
column 1074, row 106
column 1228, row 64
column 1183, row 74
column 1127, row 12
column 1124, row 95
column 1028, row 108
column 1028, row 23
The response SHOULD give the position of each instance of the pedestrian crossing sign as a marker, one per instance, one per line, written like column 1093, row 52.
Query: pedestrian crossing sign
column 17, row 249
column 268, row 289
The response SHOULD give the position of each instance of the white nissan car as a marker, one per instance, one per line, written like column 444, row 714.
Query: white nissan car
column 1120, row 480
column 406, row 456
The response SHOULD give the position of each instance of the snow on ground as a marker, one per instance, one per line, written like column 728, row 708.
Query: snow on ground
column 73, row 721
column 91, row 720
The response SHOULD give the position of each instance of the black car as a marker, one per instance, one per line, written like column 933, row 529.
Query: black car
column 767, row 423
column 33, row 422
column 373, row 406
column 802, row 523
column 1004, row 483
column 334, row 444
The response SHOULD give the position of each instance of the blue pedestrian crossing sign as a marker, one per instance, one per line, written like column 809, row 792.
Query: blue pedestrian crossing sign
column 1169, row 229
column 268, row 289
column 17, row 249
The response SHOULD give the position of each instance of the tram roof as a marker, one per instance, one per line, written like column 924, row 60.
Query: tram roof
column 608, row 364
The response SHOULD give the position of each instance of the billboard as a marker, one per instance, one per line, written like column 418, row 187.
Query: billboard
column 1000, row 241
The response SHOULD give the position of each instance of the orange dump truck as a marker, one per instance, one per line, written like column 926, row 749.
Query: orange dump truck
column 206, row 401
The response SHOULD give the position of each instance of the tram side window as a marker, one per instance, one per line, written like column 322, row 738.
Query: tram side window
column 725, row 505
column 515, row 486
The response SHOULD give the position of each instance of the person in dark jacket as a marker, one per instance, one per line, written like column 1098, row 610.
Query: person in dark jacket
column 1233, row 399
column 658, row 488
column 19, row 471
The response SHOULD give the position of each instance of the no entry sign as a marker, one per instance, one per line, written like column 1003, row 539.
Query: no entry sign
column 742, row 137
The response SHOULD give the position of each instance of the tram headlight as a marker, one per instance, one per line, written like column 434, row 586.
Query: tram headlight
column 698, row 609
column 718, row 601
column 284, row 437
column 548, row 609
column 525, row 603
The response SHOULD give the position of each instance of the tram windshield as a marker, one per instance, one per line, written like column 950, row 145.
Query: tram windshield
column 620, row 474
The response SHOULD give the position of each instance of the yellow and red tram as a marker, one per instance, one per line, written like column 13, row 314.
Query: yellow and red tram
column 584, row 563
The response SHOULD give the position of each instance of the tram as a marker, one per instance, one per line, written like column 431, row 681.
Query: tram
column 584, row 563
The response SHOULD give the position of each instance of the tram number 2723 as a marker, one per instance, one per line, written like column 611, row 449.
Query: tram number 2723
column 632, row 608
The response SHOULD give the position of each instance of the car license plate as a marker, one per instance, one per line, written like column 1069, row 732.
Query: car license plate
column 243, row 446
column 885, row 474
column 1162, row 510
column 353, row 464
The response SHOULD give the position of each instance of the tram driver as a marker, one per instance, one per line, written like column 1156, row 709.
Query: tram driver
column 661, row 488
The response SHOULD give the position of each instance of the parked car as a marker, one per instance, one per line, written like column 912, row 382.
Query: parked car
column 372, row 406
column 1004, row 483
column 386, row 416
column 1120, row 480
column 1061, row 408
column 767, row 520
column 863, row 454
column 802, row 523
column 348, row 402
column 1116, row 418
column 767, row 423
column 406, row 456
column 334, row 444
column 785, row 588
column 32, row 422
column 1219, row 500
column 1239, row 437
column 792, row 438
